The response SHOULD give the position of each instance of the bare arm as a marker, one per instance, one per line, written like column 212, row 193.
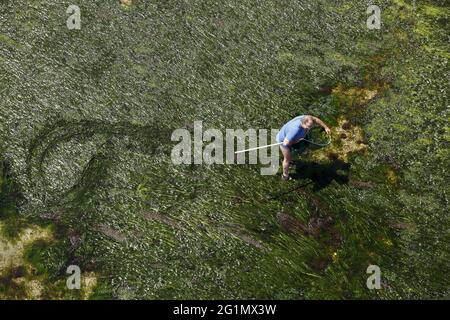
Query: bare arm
column 322, row 124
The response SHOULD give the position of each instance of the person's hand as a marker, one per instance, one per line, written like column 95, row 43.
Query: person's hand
column 327, row 130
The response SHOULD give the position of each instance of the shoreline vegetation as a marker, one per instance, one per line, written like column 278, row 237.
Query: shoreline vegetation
column 86, row 177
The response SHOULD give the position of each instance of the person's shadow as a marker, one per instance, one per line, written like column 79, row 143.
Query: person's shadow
column 322, row 174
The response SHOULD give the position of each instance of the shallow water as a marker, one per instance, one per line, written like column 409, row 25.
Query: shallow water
column 86, row 118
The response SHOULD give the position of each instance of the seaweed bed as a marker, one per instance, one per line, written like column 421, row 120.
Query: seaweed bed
column 86, row 117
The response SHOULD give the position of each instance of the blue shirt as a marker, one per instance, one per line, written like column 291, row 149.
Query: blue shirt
column 292, row 130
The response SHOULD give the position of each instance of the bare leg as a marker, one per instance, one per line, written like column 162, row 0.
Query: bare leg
column 286, row 160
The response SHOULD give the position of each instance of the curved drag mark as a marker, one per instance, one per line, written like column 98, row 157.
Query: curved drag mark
column 148, row 137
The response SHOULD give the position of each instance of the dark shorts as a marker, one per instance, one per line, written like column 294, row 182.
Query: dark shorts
column 299, row 147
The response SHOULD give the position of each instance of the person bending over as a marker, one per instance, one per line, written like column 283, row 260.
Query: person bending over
column 292, row 133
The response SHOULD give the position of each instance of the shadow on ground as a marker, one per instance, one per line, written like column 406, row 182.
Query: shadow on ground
column 322, row 174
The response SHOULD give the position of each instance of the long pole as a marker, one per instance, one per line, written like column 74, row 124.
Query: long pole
column 278, row 143
column 262, row 147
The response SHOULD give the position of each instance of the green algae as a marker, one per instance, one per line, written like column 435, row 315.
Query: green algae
column 86, row 124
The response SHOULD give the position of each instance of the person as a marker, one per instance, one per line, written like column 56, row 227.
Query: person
column 292, row 133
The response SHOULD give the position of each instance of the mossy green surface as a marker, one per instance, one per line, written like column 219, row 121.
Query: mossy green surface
column 86, row 117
